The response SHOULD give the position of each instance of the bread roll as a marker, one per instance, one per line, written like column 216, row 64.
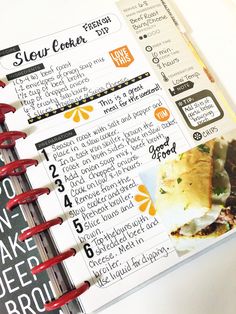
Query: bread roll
column 184, row 189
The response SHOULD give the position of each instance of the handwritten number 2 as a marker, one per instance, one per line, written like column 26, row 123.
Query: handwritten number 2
column 53, row 169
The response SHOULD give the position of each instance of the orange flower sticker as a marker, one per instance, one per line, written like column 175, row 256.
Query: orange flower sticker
column 79, row 113
column 145, row 201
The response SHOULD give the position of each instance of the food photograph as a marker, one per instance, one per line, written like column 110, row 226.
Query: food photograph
column 195, row 193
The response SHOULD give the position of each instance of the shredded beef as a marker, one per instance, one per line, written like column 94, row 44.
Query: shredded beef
column 227, row 215
column 208, row 230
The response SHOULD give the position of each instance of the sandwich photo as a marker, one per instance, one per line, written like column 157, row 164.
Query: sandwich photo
column 195, row 194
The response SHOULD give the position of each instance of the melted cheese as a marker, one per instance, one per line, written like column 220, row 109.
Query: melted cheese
column 220, row 192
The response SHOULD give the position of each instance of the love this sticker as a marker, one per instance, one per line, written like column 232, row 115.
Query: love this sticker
column 122, row 57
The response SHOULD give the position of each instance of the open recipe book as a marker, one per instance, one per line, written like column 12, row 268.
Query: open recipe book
column 134, row 146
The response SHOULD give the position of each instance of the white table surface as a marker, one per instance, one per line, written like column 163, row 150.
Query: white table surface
column 207, row 284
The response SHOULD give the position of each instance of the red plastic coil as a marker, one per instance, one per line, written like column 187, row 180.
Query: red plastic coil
column 16, row 168
column 53, row 261
column 67, row 297
column 2, row 84
column 29, row 233
column 26, row 197
column 4, row 108
column 11, row 138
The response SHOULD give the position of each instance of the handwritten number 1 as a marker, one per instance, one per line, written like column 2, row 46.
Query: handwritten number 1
column 45, row 154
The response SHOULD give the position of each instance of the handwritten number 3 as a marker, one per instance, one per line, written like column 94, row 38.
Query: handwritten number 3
column 61, row 187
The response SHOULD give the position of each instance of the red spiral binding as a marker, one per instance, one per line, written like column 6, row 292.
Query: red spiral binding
column 11, row 137
column 67, row 297
column 40, row 228
column 16, row 168
column 53, row 261
column 26, row 197
column 4, row 108
column 2, row 84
